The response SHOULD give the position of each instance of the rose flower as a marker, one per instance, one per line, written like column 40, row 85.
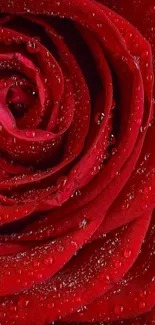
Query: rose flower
column 77, row 162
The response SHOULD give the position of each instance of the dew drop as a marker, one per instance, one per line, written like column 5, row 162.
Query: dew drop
column 46, row 135
column 36, row 264
column 42, row 298
column 30, row 134
column 39, row 276
column 118, row 264
column 37, row 39
column 37, row 70
column 113, row 151
column 60, row 248
column 61, row 182
column 99, row 118
column 78, row 299
column 23, row 303
column 127, row 253
column 118, row 309
column 138, row 121
column 83, row 223
column 86, row 117
column 143, row 293
column 112, row 140
column 32, row 47
column 142, row 305
column 113, row 104
column 48, row 260
column 13, row 308
column 107, row 277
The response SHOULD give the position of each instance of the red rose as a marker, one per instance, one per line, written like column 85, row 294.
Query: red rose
column 77, row 164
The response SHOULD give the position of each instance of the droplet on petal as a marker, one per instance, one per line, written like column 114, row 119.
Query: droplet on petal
column 60, row 248
column 36, row 264
column 127, row 253
column 118, row 264
column 61, row 182
column 13, row 307
column 142, row 304
column 113, row 104
column 112, row 140
column 118, row 309
column 46, row 135
column 39, row 276
column 99, row 118
column 113, row 151
column 83, row 223
column 85, row 117
column 107, row 277
column 143, row 293
column 48, row 260
column 23, row 302
column 32, row 47
column 30, row 133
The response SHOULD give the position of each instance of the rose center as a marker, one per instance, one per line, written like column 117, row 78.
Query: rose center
column 21, row 99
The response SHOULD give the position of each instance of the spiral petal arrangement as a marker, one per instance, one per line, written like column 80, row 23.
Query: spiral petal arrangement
column 77, row 165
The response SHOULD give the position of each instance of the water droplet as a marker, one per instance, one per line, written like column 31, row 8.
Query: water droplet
column 37, row 39
column 113, row 151
column 23, row 302
column 143, row 293
column 61, row 182
column 112, row 139
column 99, row 118
column 78, row 299
column 142, row 304
column 19, row 271
column 138, row 121
column 37, row 70
column 32, row 47
column 36, row 264
column 118, row 264
column 39, row 276
column 48, row 260
column 107, row 277
column 83, row 223
column 60, row 248
column 113, row 104
column 46, row 135
column 42, row 298
column 118, row 309
column 13, row 308
column 86, row 117
column 30, row 133
column 127, row 253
